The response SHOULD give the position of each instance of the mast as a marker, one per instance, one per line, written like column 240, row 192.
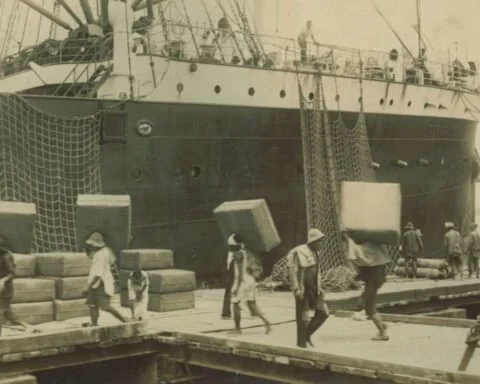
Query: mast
column 419, row 30
column 70, row 12
column 87, row 11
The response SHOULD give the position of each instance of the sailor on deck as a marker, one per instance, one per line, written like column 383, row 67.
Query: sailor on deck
column 452, row 241
column 306, row 285
column 472, row 248
column 303, row 37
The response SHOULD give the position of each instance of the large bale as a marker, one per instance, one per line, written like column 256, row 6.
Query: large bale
column 252, row 220
column 164, row 302
column 63, row 264
column 165, row 280
column 108, row 214
column 16, row 224
column 25, row 265
column 371, row 211
column 441, row 265
column 70, row 309
column 28, row 290
column 146, row 259
column 69, row 288
column 429, row 273
column 34, row 313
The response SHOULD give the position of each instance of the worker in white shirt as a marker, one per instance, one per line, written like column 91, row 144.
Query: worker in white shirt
column 138, row 284
column 303, row 37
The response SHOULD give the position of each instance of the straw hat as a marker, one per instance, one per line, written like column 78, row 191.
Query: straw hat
column 234, row 239
column 449, row 225
column 409, row 225
column 96, row 240
column 314, row 235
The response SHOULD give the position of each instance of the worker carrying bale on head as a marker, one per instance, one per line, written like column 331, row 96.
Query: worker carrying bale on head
column 7, row 274
column 306, row 285
column 452, row 241
column 412, row 248
column 372, row 259
column 100, row 284
column 472, row 248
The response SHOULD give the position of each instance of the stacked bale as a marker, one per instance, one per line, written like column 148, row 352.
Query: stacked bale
column 429, row 268
column 170, row 289
column 68, row 274
column 32, row 300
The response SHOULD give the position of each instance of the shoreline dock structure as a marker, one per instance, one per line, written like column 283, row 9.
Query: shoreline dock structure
column 422, row 349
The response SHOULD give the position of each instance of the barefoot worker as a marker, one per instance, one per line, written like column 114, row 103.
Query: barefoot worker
column 101, row 286
column 371, row 259
column 138, row 284
column 306, row 285
column 246, row 269
column 7, row 274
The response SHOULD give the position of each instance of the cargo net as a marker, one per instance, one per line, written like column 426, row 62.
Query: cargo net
column 332, row 153
column 48, row 160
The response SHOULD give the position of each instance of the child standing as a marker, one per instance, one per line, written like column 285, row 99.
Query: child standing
column 138, row 284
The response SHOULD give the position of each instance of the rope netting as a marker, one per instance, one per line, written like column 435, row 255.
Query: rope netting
column 48, row 160
column 332, row 153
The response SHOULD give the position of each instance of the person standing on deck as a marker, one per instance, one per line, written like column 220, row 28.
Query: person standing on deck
column 7, row 274
column 412, row 248
column 138, row 284
column 472, row 248
column 100, row 284
column 303, row 37
column 371, row 259
column 246, row 269
column 452, row 241
column 306, row 285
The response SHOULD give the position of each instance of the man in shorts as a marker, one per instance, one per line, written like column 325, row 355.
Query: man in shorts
column 100, row 284
column 372, row 260
column 412, row 248
column 138, row 284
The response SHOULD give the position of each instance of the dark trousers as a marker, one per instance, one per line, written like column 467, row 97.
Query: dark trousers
column 472, row 265
column 226, row 309
column 303, row 50
column 306, row 327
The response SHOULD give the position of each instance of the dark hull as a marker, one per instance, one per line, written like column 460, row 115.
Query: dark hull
column 200, row 156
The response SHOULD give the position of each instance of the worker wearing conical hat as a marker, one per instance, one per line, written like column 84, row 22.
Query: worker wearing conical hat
column 472, row 248
column 453, row 246
column 100, row 284
column 412, row 248
column 306, row 285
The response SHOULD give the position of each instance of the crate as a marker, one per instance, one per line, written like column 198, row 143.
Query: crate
column 16, row 224
column 372, row 211
column 25, row 265
column 69, row 288
column 108, row 214
column 34, row 313
column 31, row 290
column 63, row 264
column 252, row 220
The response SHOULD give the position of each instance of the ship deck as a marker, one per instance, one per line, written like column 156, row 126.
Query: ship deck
column 421, row 349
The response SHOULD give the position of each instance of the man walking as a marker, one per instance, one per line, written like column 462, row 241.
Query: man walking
column 472, row 248
column 306, row 285
column 371, row 259
column 412, row 248
column 7, row 274
column 100, row 284
column 452, row 241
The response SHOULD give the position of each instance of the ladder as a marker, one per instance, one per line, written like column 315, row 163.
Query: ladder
column 94, row 82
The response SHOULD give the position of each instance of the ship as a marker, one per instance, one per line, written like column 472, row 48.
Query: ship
column 193, row 115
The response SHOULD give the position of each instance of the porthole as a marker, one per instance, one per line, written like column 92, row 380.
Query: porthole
column 180, row 87
column 282, row 93
column 311, row 95
column 382, row 101
column 144, row 128
column 136, row 174
column 251, row 91
column 337, row 97
column 391, row 101
column 218, row 89
column 195, row 171
column 409, row 103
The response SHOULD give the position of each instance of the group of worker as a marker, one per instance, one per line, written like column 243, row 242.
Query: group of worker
column 455, row 249
column 370, row 258
column 99, row 290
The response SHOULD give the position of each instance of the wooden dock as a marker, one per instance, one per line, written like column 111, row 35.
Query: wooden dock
column 421, row 349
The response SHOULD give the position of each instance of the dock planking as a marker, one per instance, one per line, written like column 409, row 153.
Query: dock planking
column 421, row 349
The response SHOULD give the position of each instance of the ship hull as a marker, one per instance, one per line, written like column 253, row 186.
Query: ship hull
column 199, row 156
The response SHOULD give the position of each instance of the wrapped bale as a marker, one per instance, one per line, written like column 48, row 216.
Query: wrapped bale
column 28, row 290
column 16, row 224
column 25, row 265
column 441, row 265
column 69, row 288
column 69, row 309
column 108, row 214
column 63, row 264
column 252, row 220
column 371, row 211
column 165, row 281
column 429, row 273
column 164, row 302
column 146, row 259
column 34, row 313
